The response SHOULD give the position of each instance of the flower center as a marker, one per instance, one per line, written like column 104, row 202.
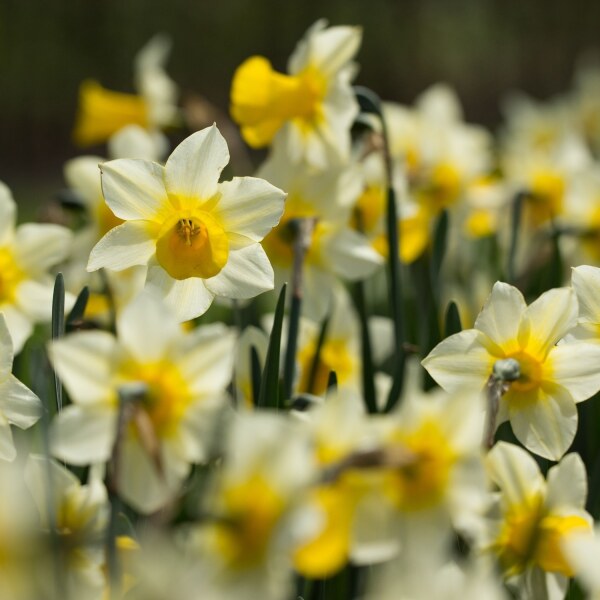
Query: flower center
column 168, row 394
column 530, row 372
column 528, row 536
column 423, row 481
column 244, row 537
column 10, row 276
column 192, row 246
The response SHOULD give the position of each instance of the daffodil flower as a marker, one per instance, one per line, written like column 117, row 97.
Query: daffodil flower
column 104, row 112
column 540, row 403
column 308, row 113
column 200, row 238
column 183, row 377
column 27, row 252
column 536, row 516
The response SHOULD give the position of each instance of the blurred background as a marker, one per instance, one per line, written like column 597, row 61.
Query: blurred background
column 483, row 48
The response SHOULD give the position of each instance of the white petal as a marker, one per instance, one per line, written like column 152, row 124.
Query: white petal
column 249, row 206
column 129, row 244
column 318, row 293
column 515, row 471
column 18, row 403
column 205, row 358
column 501, row 314
column 575, row 367
column 35, row 299
column 196, row 429
column 8, row 214
column 83, row 435
column 6, row 349
column 134, row 141
column 41, row 246
column 461, row 361
column 83, row 175
column 8, row 451
column 140, row 483
column 567, row 483
column 334, row 47
column 83, row 362
column 586, row 283
column 548, row 319
column 188, row 298
column 194, row 167
column 349, row 255
column 19, row 325
column 134, row 189
column 546, row 426
column 147, row 328
column 247, row 273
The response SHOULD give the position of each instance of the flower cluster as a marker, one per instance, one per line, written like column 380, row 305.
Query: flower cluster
column 367, row 430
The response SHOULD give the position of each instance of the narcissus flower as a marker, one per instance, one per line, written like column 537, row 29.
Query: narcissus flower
column 309, row 112
column 540, row 403
column 535, row 518
column 200, row 238
column 183, row 377
column 26, row 254
column 103, row 112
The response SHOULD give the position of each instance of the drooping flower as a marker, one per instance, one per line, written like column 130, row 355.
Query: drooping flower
column 103, row 112
column 540, row 403
column 308, row 113
column 27, row 252
column 200, row 238
column 183, row 377
column 535, row 517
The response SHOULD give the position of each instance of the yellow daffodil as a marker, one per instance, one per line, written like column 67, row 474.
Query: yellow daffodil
column 104, row 112
column 27, row 252
column 308, row 113
column 184, row 377
column 541, row 402
column 535, row 517
column 200, row 238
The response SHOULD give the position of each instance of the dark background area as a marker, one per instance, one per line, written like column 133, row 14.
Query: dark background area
column 483, row 48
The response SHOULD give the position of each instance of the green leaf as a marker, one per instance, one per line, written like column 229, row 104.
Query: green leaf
column 269, row 395
column 368, row 370
column 314, row 365
column 438, row 253
column 58, row 328
column 76, row 315
column 517, row 209
column 452, row 322
column 255, row 374
column 289, row 366
column 368, row 100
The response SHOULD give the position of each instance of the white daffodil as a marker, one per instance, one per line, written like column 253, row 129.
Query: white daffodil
column 335, row 251
column 184, row 378
column 103, row 112
column 78, row 516
column 534, row 517
column 200, row 238
column 18, row 404
column 254, row 511
column 27, row 252
column 307, row 114
column 541, row 402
